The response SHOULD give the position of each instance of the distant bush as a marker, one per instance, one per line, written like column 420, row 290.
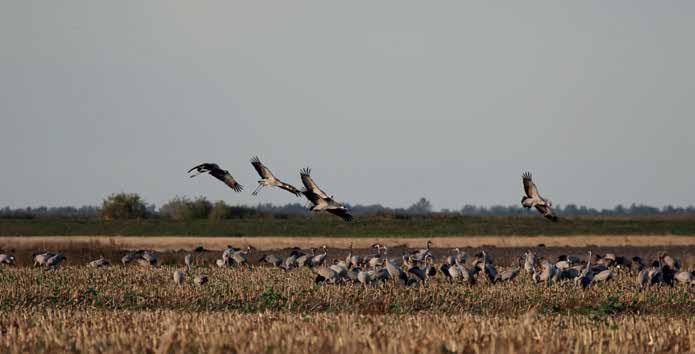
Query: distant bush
column 124, row 206
column 200, row 208
column 182, row 208
column 421, row 207
column 220, row 211
column 244, row 212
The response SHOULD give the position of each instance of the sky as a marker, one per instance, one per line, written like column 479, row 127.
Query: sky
column 386, row 101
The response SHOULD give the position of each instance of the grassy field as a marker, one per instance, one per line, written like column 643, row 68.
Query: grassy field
column 260, row 309
column 366, row 226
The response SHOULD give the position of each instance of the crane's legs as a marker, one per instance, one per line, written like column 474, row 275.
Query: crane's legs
column 258, row 189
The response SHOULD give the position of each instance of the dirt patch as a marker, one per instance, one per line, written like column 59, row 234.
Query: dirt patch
column 168, row 243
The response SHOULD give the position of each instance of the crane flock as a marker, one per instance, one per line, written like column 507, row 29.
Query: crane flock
column 415, row 267
column 411, row 268
column 320, row 201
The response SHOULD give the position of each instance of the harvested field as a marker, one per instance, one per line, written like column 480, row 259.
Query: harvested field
column 168, row 331
column 131, row 308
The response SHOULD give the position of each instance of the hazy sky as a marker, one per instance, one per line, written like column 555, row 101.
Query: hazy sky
column 387, row 101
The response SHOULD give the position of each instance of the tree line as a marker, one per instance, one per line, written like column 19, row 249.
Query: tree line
column 132, row 206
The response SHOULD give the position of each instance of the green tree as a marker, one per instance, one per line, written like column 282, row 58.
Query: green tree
column 124, row 206
column 182, row 208
column 220, row 211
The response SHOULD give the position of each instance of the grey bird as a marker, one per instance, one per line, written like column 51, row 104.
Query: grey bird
column 686, row 278
column 584, row 279
column 569, row 273
column 671, row 262
column 395, row 272
column 7, row 259
column 304, row 260
column 241, row 257
column 412, row 268
column 352, row 274
column 454, row 271
column 562, row 265
column 376, row 260
column 529, row 261
column 487, row 268
column 291, row 260
column 129, row 257
column 320, row 200
column 325, row 275
column 227, row 255
column 622, row 262
column 200, row 280
column 602, row 277
column 353, row 260
column 640, row 263
column 381, row 275
column 269, row 180
column 508, row 274
column 643, row 279
column 40, row 259
column 363, row 277
column 533, row 199
column 548, row 274
column 572, row 260
column 149, row 257
column 340, row 269
column 55, row 261
column 420, row 254
column 430, row 269
column 451, row 259
column 655, row 273
column 179, row 276
column 100, row 263
column 319, row 259
column 214, row 170
column 468, row 274
column 188, row 259
column 607, row 260
column 271, row 259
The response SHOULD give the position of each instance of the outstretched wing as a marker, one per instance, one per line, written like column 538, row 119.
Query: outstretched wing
column 309, row 184
column 342, row 213
column 546, row 211
column 312, row 197
column 226, row 177
column 529, row 186
column 290, row 188
column 204, row 167
column 262, row 170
